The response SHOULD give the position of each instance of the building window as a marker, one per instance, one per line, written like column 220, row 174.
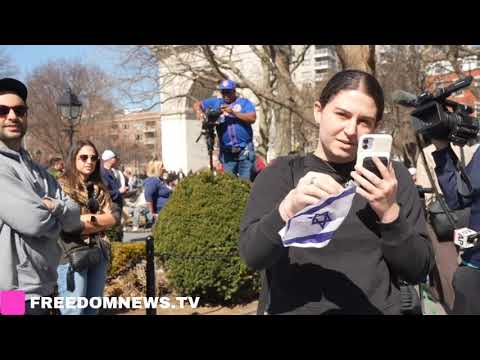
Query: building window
column 477, row 109
column 138, row 137
column 125, row 126
column 114, row 126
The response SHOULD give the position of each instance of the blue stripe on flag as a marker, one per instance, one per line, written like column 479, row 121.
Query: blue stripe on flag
column 316, row 238
column 327, row 202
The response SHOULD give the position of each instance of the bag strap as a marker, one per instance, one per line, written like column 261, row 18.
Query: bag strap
column 297, row 167
column 464, row 185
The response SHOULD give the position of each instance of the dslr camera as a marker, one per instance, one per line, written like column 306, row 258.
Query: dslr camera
column 211, row 118
column 210, row 122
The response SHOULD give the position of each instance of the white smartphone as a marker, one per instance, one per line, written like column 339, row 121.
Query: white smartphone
column 374, row 145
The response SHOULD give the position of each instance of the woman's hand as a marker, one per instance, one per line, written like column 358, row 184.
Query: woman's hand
column 310, row 189
column 380, row 193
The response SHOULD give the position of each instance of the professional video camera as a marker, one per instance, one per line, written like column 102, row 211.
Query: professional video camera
column 210, row 122
column 433, row 119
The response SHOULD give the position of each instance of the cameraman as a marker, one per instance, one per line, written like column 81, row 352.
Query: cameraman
column 466, row 281
column 237, row 153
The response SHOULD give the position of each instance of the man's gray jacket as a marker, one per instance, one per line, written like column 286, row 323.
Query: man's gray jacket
column 29, row 253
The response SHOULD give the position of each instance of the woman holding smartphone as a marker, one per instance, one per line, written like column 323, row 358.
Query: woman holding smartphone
column 382, row 239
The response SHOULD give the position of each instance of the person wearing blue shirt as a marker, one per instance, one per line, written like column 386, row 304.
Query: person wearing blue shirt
column 237, row 153
column 466, row 281
column 156, row 191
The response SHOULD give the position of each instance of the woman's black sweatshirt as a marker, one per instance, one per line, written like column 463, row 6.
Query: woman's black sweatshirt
column 358, row 271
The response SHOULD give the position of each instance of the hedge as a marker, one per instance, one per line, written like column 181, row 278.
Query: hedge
column 197, row 236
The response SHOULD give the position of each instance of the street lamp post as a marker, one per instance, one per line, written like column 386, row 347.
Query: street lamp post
column 70, row 108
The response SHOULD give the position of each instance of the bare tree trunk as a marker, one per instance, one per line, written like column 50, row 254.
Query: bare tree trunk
column 283, row 130
column 266, row 119
column 283, row 133
column 360, row 57
column 264, row 129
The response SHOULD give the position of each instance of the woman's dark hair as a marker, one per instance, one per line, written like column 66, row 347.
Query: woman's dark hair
column 72, row 176
column 354, row 80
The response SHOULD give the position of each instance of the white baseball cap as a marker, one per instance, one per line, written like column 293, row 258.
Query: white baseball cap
column 108, row 154
column 412, row 171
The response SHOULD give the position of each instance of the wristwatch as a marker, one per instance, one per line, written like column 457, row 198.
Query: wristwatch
column 93, row 219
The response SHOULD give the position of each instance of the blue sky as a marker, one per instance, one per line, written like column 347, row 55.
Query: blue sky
column 27, row 57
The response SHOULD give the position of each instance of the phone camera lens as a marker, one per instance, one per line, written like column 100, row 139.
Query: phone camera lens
column 365, row 141
column 365, row 146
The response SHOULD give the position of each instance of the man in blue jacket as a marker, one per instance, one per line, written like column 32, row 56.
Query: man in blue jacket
column 466, row 281
column 237, row 153
column 116, row 190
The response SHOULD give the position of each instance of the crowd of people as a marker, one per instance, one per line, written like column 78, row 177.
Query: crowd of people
column 327, row 235
column 140, row 197
column 53, row 220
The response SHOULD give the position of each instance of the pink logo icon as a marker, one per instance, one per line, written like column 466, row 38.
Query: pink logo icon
column 12, row 303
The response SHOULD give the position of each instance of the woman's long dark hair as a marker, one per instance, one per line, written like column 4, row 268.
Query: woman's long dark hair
column 72, row 175
column 354, row 80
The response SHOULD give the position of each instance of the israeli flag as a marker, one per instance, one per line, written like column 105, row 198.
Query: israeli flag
column 315, row 226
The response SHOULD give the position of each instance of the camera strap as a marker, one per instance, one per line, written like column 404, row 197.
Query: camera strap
column 440, row 198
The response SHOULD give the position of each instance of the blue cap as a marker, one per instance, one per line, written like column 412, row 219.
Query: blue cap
column 228, row 85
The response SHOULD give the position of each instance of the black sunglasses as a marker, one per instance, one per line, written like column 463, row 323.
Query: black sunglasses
column 84, row 158
column 20, row 110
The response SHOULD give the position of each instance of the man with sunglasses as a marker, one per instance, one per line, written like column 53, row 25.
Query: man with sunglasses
column 237, row 153
column 33, row 208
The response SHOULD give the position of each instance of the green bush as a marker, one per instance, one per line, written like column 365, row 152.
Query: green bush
column 125, row 256
column 197, row 236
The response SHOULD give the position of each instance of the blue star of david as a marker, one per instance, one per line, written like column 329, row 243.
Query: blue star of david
column 321, row 219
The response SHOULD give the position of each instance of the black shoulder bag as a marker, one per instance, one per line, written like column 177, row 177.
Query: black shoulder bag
column 84, row 256
column 444, row 220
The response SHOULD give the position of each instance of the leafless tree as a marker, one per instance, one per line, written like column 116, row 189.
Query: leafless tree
column 279, row 97
column 452, row 58
column 46, row 84
column 284, row 103
column 401, row 67
column 360, row 57
column 7, row 66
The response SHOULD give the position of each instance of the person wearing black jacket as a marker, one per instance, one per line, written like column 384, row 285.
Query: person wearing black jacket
column 382, row 239
column 466, row 279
